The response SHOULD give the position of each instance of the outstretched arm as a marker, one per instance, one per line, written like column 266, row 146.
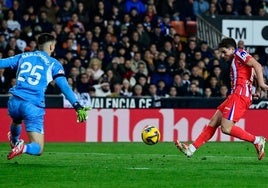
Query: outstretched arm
column 11, row 62
column 70, row 96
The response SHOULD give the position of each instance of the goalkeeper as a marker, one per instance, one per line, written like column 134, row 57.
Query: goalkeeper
column 27, row 101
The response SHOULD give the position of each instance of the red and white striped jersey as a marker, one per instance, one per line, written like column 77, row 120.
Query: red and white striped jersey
column 241, row 74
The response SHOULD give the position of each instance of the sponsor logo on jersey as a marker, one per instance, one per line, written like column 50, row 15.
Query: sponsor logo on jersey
column 243, row 54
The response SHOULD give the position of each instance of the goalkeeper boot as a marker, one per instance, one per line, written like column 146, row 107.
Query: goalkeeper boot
column 184, row 148
column 260, row 148
column 17, row 150
column 9, row 136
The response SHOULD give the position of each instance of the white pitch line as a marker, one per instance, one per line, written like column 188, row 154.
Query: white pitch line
column 138, row 168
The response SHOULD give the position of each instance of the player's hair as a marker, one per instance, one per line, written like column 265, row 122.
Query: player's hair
column 227, row 43
column 45, row 37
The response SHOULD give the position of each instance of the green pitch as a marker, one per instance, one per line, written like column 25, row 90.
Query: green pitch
column 135, row 165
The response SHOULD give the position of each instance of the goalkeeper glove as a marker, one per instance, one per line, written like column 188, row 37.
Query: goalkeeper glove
column 81, row 112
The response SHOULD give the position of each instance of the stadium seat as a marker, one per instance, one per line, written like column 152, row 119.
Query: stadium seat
column 179, row 26
column 191, row 28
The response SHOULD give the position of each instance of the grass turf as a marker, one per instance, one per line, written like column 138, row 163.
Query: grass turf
column 127, row 165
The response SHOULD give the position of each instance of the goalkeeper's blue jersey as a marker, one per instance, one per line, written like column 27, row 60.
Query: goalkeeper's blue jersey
column 34, row 72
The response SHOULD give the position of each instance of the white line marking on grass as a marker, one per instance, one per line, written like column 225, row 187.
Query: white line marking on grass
column 138, row 168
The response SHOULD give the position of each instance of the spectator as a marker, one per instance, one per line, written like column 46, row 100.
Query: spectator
column 126, row 88
column 262, row 12
column 207, row 92
column 73, row 73
column 44, row 22
column 144, row 37
column 128, row 73
column 149, row 61
column 162, row 89
column 12, row 22
column 182, row 67
column 83, row 14
column 26, row 23
column 152, row 92
column 206, row 51
column 190, row 50
column 168, row 48
column 157, row 36
column 172, row 65
column 95, row 69
column 193, row 91
column 103, row 89
column 83, row 56
column 228, row 9
column 212, row 12
column 196, row 74
column 161, row 74
column 77, row 63
column 178, row 84
column 223, row 91
column 168, row 8
column 213, row 84
column 65, row 12
column 172, row 92
column 3, row 42
column 117, row 90
column 263, row 4
column 51, row 9
column 117, row 68
column 74, row 22
column 143, row 82
column 83, row 83
column 92, row 91
column 135, row 61
column 186, row 82
column 103, row 10
column 200, row 7
column 137, row 91
column 247, row 11
column 150, row 14
column 135, row 4
column 93, row 52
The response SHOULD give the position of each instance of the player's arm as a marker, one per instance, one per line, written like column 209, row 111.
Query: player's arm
column 10, row 62
column 258, row 72
column 62, row 83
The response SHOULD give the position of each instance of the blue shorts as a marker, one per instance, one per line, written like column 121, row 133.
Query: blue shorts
column 32, row 115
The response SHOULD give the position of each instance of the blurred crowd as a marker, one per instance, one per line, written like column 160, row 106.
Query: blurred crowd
column 124, row 47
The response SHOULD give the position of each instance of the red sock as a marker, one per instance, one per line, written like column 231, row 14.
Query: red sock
column 204, row 136
column 241, row 134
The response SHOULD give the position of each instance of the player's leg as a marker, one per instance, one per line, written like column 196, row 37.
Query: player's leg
column 14, row 133
column 203, row 137
column 229, row 128
column 33, row 120
column 236, row 110
column 15, row 127
column 36, row 144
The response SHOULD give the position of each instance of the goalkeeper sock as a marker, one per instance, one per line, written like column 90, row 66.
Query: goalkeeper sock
column 15, row 132
column 204, row 136
column 241, row 134
column 33, row 148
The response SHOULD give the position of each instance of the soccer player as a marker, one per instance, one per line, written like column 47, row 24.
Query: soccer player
column 27, row 101
column 243, row 67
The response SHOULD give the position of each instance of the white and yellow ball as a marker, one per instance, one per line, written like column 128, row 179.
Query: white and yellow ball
column 150, row 135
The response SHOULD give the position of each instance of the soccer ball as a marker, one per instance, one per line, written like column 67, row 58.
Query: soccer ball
column 150, row 135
